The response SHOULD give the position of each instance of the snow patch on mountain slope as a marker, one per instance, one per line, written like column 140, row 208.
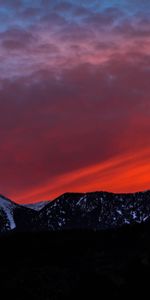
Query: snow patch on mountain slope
column 8, row 208
column 36, row 206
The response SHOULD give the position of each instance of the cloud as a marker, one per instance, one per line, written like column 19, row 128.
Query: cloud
column 16, row 39
column 53, row 35
column 74, row 97
column 12, row 4
column 50, row 127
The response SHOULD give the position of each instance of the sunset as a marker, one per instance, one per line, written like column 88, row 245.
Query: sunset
column 74, row 97
column 74, row 149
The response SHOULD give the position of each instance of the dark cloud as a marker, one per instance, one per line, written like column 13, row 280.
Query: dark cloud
column 16, row 39
column 105, row 18
column 64, row 6
column 139, row 29
column 12, row 4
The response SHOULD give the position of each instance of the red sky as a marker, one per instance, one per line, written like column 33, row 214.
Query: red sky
column 74, row 98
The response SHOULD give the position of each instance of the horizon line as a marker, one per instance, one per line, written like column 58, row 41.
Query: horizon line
column 91, row 192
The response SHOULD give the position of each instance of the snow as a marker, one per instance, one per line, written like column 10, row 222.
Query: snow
column 144, row 219
column 81, row 200
column 8, row 208
column 126, row 221
column 36, row 206
column 134, row 215
column 119, row 212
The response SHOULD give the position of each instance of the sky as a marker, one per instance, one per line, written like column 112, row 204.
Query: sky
column 74, row 97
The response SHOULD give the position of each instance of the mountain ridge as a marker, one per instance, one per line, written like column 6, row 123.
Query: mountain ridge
column 95, row 210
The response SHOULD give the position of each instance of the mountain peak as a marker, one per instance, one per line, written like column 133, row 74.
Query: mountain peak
column 5, row 198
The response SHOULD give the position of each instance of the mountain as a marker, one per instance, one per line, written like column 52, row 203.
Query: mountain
column 7, row 208
column 93, row 211
column 15, row 217
column 97, row 210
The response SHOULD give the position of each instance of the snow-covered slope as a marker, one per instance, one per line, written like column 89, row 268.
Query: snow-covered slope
column 15, row 217
column 7, row 208
column 36, row 206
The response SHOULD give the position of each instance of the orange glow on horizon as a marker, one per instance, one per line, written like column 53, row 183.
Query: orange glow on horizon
column 129, row 173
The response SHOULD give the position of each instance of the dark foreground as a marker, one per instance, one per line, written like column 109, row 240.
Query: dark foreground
column 75, row 265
